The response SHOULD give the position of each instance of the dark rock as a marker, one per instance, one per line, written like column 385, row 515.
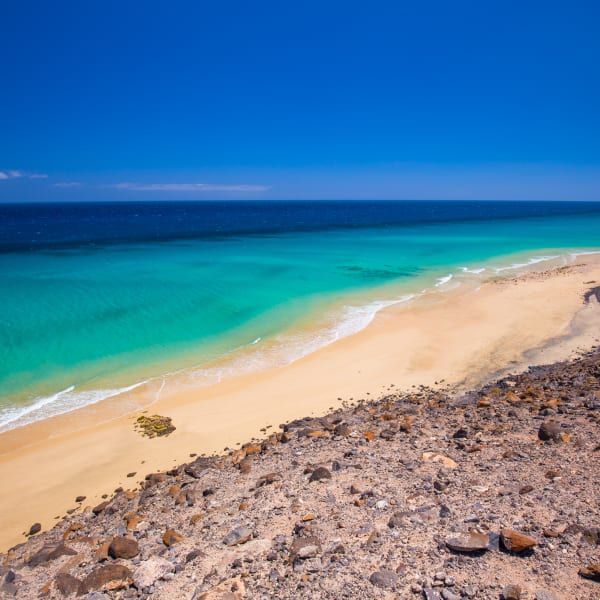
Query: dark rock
column 592, row 571
column 384, row 579
column 320, row 473
column 461, row 433
column 35, row 528
column 66, row 584
column 123, row 547
column 49, row 553
column 549, row 431
column 196, row 468
column 193, row 555
column 80, row 498
column 107, row 578
column 98, row 509
column 343, row 430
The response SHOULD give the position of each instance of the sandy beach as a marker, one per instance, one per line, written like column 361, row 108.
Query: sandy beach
column 462, row 337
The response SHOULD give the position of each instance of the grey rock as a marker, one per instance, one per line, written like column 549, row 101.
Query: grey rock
column 468, row 541
column 384, row 579
column 239, row 535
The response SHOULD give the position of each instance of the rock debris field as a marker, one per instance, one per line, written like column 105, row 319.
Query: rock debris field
column 432, row 494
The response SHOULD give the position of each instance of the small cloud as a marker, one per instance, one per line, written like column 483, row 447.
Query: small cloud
column 188, row 187
column 14, row 174
column 67, row 184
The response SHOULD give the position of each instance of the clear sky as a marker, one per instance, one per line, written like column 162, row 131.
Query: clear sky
column 227, row 99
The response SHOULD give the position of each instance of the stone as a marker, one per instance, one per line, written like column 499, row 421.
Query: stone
column 49, row 553
column 516, row 542
column 511, row 592
column 80, row 498
column 431, row 456
column 268, row 479
column 196, row 468
column 592, row 571
column 397, row 520
column 107, row 578
column 150, row 571
column 431, row 594
column 239, row 535
column 319, row 474
column 66, row 584
column 305, row 547
column 35, row 528
column 171, row 537
column 384, row 579
column 343, row 430
column 245, row 465
column 100, row 507
column 550, row 431
column 468, row 541
column 123, row 547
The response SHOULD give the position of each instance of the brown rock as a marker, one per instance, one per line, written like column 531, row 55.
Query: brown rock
column 245, row 466
column 468, row 541
column 319, row 474
column 100, row 507
column 123, row 547
column 66, row 584
column 102, row 553
column 133, row 523
column 107, row 578
column 549, row 431
column 317, row 434
column 196, row 518
column 174, row 491
column 252, row 449
column 305, row 547
column 171, row 537
column 515, row 541
column 592, row 571
column 80, row 498
column 369, row 435
column 511, row 592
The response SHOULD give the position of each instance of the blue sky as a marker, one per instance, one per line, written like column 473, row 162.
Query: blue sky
column 216, row 100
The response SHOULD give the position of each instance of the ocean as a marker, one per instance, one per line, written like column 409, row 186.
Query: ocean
column 97, row 298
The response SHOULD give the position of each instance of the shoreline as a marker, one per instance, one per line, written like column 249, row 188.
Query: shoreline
column 322, row 326
column 463, row 337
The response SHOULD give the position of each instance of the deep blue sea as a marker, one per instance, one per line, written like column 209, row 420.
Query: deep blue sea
column 97, row 297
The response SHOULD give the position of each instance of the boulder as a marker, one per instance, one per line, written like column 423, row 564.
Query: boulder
column 107, row 578
column 123, row 547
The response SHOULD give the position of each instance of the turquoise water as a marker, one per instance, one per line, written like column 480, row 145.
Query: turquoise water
column 86, row 318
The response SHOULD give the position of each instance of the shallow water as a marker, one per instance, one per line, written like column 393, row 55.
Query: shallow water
column 98, row 297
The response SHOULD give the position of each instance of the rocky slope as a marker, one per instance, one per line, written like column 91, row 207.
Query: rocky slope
column 432, row 494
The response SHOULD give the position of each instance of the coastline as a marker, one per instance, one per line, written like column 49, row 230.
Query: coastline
column 462, row 337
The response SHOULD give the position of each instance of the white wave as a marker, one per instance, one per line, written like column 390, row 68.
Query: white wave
column 586, row 253
column 286, row 349
column 531, row 261
column 57, row 404
column 255, row 341
column 474, row 271
column 443, row 280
